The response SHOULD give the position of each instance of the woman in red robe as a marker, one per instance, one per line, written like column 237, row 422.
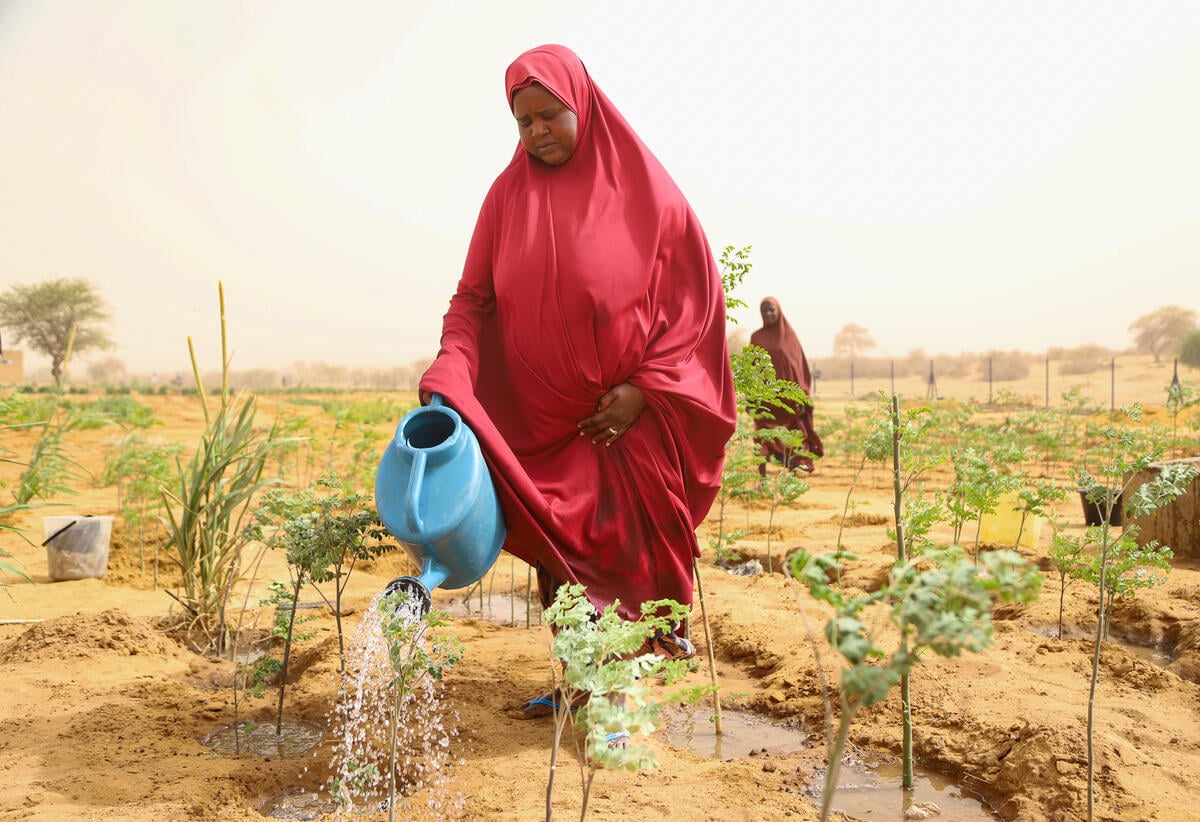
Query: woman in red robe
column 585, row 346
column 780, row 341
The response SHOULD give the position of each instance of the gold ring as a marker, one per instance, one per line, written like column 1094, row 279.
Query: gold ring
column 614, row 431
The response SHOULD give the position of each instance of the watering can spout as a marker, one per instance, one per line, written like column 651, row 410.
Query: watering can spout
column 417, row 593
column 434, row 493
column 420, row 588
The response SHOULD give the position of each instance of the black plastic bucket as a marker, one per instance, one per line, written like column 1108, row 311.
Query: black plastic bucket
column 1093, row 513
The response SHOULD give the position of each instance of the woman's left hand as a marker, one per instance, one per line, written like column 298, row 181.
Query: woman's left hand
column 618, row 409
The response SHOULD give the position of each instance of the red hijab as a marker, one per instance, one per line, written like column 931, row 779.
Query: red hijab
column 580, row 277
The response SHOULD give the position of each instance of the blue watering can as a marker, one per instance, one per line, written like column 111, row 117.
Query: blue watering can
column 434, row 494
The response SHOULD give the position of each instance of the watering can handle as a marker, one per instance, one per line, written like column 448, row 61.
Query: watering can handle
column 416, row 474
column 415, row 477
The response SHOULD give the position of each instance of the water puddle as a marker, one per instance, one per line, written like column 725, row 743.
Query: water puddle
column 297, row 737
column 249, row 657
column 743, row 734
column 875, row 793
column 1159, row 654
column 1155, row 654
column 297, row 803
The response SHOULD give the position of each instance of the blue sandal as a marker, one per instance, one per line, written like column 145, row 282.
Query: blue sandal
column 542, row 706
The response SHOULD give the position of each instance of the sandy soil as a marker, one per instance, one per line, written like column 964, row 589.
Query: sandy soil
column 104, row 712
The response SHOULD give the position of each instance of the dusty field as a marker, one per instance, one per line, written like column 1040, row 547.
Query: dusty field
column 104, row 713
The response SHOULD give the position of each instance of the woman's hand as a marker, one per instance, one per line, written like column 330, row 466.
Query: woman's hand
column 618, row 409
column 425, row 397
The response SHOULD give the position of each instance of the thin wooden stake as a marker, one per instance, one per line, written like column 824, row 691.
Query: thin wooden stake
column 712, row 659
column 906, row 760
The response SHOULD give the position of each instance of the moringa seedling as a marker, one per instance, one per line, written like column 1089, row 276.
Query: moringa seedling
column 1122, row 454
column 939, row 602
column 606, row 675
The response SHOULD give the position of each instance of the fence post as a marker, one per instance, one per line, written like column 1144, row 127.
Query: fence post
column 1047, row 380
column 1112, row 384
column 931, row 391
column 851, row 379
column 989, row 380
column 893, row 377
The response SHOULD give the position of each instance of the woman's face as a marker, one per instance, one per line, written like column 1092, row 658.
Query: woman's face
column 547, row 127
column 770, row 312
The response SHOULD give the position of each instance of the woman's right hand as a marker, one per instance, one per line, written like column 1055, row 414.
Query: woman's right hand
column 425, row 397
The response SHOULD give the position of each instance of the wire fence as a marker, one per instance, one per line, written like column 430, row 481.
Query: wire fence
column 1004, row 380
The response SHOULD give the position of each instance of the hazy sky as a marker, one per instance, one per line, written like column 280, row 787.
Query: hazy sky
column 951, row 175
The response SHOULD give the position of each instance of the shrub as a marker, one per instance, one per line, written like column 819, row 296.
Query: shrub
column 1189, row 350
column 1005, row 365
column 1082, row 360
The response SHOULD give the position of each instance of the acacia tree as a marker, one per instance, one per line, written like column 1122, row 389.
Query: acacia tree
column 1189, row 350
column 47, row 315
column 852, row 340
column 1161, row 331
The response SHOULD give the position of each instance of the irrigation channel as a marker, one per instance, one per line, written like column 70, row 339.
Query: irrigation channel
column 396, row 739
column 866, row 790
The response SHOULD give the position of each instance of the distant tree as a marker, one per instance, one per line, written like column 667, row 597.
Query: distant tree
column 1161, row 331
column 852, row 340
column 45, row 315
column 107, row 370
column 1189, row 350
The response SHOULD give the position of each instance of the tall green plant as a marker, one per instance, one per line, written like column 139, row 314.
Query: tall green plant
column 1131, row 566
column 1036, row 502
column 736, row 474
column 605, row 675
column 124, row 411
column 208, row 504
column 50, row 470
column 1122, row 454
column 783, row 488
column 939, row 603
column 1070, row 561
column 6, row 511
column 980, row 480
column 891, row 428
column 1179, row 397
column 734, row 265
column 350, row 418
column 759, row 391
column 295, row 455
column 325, row 530
column 139, row 468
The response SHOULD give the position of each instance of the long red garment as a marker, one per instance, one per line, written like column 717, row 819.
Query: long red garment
column 787, row 355
column 580, row 277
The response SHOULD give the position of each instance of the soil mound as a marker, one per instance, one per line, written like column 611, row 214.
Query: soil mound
column 111, row 632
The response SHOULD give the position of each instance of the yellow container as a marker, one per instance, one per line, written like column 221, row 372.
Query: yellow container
column 1001, row 528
